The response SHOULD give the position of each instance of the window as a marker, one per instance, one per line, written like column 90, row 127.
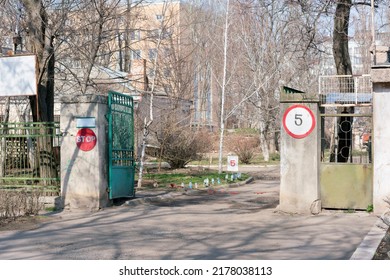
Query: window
column 152, row 54
column 167, row 52
column 166, row 34
column 168, row 89
column 167, row 72
column 74, row 63
column 357, row 60
column 153, row 33
column 135, row 35
column 135, row 54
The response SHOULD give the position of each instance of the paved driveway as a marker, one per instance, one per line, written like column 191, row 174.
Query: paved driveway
column 233, row 223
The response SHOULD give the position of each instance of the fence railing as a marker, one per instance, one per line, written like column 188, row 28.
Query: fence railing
column 30, row 156
column 345, row 90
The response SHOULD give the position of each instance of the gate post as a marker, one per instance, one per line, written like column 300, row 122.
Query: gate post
column 83, row 125
column 380, row 75
column 300, row 153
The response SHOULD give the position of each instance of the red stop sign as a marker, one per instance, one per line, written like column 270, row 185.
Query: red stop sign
column 86, row 139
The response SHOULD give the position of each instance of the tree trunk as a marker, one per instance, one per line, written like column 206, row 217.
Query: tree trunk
column 222, row 124
column 343, row 67
column 127, row 38
column 263, row 141
column 120, row 59
column 340, row 38
column 3, row 144
column 41, row 44
column 142, row 157
column 42, row 105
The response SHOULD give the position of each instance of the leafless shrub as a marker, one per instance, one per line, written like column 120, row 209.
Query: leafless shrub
column 180, row 144
column 244, row 147
column 16, row 203
column 386, row 216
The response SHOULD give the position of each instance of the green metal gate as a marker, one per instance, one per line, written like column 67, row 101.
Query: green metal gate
column 121, row 163
column 30, row 156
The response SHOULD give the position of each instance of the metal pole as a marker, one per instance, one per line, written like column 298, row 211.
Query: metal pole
column 373, row 46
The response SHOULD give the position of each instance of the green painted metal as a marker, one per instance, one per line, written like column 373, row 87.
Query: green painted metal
column 291, row 95
column 346, row 186
column 27, row 150
column 121, row 163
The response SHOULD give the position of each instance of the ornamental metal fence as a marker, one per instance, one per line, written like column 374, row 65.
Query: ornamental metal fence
column 30, row 156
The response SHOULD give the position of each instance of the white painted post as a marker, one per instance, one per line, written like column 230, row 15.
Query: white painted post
column 84, row 165
column 300, row 155
column 380, row 76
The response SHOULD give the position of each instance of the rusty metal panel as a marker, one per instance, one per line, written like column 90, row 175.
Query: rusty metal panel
column 346, row 186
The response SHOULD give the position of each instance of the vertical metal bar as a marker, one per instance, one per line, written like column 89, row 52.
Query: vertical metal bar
column 373, row 31
column 336, row 139
column 356, row 81
column 109, row 118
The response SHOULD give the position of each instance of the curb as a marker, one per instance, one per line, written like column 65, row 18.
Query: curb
column 370, row 243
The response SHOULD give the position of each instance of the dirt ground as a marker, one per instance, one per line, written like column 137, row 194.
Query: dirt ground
column 383, row 251
column 22, row 223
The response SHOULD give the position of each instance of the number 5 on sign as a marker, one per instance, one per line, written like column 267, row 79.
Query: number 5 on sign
column 298, row 121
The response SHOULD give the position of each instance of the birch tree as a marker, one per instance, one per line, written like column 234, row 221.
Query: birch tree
column 223, row 87
column 147, row 122
column 274, row 45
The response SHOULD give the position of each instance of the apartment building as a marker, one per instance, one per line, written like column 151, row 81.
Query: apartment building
column 359, row 47
column 147, row 45
column 162, row 58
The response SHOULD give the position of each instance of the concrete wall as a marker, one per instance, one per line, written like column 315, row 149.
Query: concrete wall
column 299, row 188
column 381, row 115
column 84, row 173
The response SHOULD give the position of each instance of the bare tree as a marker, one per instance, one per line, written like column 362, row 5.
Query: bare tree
column 274, row 43
column 340, row 37
column 86, row 42
column 151, row 92
column 343, row 67
column 41, row 42
column 223, row 88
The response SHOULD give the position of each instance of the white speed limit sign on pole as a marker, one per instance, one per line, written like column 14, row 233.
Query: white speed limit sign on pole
column 298, row 121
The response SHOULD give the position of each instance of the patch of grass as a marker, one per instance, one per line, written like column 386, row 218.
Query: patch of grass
column 246, row 131
column 50, row 209
column 178, row 178
column 257, row 159
column 273, row 159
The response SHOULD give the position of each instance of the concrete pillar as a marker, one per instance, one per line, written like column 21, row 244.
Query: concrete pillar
column 380, row 76
column 83, row 157
column 300, row 159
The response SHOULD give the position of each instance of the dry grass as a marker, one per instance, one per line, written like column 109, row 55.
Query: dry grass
column 17, row 203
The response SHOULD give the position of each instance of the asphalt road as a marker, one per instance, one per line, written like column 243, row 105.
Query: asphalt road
column 229, row 223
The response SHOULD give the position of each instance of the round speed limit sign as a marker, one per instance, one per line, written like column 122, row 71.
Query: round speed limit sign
column 299, row 121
